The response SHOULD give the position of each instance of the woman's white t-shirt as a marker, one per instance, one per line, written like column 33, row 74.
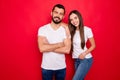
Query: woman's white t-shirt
column 77, row 50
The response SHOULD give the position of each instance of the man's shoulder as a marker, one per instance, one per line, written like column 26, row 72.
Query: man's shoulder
column 44, row 27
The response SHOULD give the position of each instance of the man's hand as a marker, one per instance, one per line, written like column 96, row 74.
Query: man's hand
column 45, row 46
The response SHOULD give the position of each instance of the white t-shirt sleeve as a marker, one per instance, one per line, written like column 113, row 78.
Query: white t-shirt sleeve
column 41, row 31
column 89, row 33
column 64, row 34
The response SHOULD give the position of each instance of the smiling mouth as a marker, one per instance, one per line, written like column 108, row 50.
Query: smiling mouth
column 56, row 18
column 74, row 23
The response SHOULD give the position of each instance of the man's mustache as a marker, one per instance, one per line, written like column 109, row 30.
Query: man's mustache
column 57, row 17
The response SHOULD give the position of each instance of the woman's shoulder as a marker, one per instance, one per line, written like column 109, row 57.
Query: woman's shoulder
column 87, row 28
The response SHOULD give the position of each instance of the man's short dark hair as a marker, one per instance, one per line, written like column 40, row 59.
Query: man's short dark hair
column 59, row 6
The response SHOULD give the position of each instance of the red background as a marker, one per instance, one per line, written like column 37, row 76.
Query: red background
column 20, row 58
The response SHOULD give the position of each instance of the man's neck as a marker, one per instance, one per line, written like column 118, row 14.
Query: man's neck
column 55, row 26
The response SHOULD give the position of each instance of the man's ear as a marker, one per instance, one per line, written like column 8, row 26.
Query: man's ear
column 63, row 16
column 51, row 13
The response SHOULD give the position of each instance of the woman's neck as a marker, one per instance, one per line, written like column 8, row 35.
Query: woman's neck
column 77, row 28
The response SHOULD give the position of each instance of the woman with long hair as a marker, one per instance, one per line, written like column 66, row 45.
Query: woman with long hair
column 80, row 34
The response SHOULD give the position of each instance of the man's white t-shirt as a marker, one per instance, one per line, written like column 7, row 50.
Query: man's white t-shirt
column 52, row 60
column 77, row 50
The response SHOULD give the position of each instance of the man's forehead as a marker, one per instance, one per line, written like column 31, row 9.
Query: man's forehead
column 59, row 9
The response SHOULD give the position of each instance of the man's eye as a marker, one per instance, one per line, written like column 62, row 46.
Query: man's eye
column 55, row 12
column 61, row 14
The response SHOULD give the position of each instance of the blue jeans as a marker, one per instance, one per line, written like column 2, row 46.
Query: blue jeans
column 82, row 66
column 50, row 74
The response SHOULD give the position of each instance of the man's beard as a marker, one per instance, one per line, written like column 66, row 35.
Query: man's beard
column 56, row 21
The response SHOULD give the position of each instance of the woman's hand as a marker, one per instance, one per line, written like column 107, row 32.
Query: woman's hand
column 82, row 55
column 64, row 25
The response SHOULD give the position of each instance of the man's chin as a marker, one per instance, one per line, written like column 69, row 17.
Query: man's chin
column 57, row 22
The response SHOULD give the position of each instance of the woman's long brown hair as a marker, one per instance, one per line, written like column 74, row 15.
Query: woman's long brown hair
column 73, row 28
